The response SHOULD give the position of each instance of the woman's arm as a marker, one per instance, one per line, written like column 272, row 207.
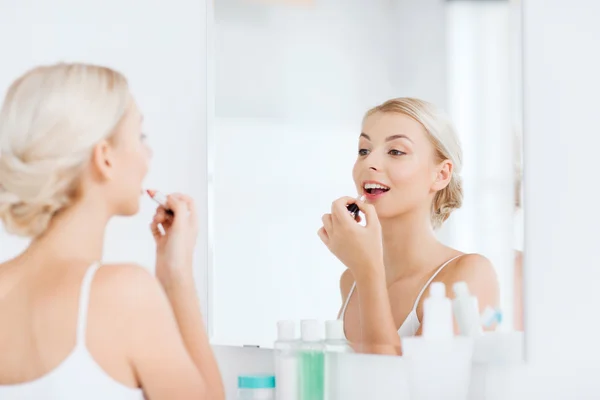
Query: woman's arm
column 518, row 291
column 175, row 242
column 368, row 344
column 170, row 353
column 159, row 356
column 360, row 249
column 379, row 333
column 186, row 308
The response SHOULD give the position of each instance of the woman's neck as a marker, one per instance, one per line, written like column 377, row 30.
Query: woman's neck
column 76, row 233
column 409, row 245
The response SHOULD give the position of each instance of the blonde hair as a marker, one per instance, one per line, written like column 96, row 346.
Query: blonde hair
column 51, row 119
column 447, row 147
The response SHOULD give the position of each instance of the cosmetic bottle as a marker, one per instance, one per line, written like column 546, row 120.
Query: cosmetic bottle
column 311, row 361
column 335, row 339
column 466, row 310
column 256, row 387
column 335, row 343
column 437, row 314
column 286, row 361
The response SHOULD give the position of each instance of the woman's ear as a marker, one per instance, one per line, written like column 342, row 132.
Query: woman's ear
column 102, row 162
column 443, row 175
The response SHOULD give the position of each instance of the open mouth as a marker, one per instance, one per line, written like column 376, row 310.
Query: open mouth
column 375, row 188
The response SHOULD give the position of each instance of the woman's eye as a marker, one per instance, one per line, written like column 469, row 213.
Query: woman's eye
column 396, row 153
column 363, row 152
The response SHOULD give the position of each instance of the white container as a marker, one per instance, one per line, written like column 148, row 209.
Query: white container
column 439, row 364
column 437, row 313
column 466, row 310
column 335, row 343
column 438, row 369
column 256, row 387
column 499, row 348
column 286, row 361
column 335, row 338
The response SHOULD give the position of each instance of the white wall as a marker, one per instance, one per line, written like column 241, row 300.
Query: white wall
column 162, row 51
column 561, row 83
column 292, row 85
column 328, row 61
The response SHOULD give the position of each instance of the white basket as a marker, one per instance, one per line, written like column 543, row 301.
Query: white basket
column 438, row 369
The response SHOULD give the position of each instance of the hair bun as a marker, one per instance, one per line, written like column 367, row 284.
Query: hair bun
column 447, row 200
column 29, row 195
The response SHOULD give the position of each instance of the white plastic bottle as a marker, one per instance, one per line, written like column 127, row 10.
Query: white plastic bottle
column 335, row 343
column 335, row 338
column 466, row 310
column 286, row 361
column 437, row 314
column 311, row 361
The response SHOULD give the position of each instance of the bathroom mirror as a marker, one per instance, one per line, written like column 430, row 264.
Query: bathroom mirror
column 291, row 83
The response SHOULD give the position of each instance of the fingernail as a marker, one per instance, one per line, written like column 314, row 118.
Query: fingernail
column 362, row 198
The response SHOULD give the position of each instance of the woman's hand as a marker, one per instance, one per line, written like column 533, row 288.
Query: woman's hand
column 358, row 247
column 175, row 247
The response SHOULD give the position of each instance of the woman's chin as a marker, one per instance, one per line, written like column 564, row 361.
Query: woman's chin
column 384, row 213
column 388, row 213
column 130, row 209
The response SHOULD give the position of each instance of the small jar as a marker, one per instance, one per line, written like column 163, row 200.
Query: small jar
column 256, row 387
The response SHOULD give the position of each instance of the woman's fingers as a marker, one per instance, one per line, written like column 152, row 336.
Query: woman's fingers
column 339, row 210
column 368, row 210
column 323, row 236
column 327, row 223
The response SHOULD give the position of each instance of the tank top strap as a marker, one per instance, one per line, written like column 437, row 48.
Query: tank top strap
column 347, row 301
column 432, row 278
column 84, row 299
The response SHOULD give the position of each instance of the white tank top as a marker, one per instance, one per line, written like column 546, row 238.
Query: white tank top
column 411, row 324
column 78, row 376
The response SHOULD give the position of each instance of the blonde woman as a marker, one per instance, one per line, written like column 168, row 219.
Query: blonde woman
column 72, row 156
column 408, row 169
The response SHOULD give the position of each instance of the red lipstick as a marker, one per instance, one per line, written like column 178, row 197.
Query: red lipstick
column 160, row 199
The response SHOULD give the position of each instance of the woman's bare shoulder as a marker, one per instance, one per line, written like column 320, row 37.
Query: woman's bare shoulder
column 472, row 266
column 129, row 284
column 479, row 274
column 127, row 296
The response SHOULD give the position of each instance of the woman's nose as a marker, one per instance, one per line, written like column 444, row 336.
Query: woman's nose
column 374, row 162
